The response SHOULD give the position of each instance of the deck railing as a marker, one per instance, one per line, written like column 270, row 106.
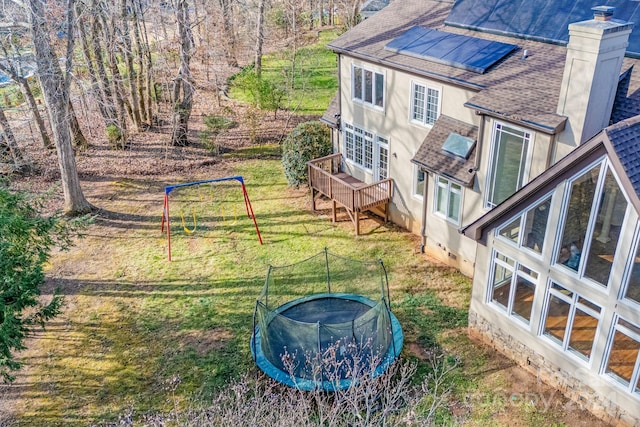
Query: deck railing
column 355, row 198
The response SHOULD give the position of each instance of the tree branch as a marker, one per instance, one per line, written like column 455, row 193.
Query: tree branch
column 15, row 25
column 19, row 3
column 70, row 40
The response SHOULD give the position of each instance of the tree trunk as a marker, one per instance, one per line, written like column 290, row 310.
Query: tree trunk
column 145, row 69
column 119, row 135
column 229, row 32
column 259, row 38
column 96, row 91
column 9, row 137
column 116, row 125
column 55, row 89
column 33, row 105
column 78, row 139
column 183, row 84
column 12, row 69
column 331, row 17
column 131, row 71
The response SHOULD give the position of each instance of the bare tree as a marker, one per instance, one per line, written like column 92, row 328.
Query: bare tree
column 229, row 31
column 259, row 37
column 183, row 83
column 8, row 138
column 55, row 89
column 144, row 61
column 127, row 52
column 13, row 68
column 349, row 12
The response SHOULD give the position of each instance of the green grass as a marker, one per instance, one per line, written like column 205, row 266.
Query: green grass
column 314, row 82
column 145, row 334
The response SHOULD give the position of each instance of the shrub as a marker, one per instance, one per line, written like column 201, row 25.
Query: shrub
column 218, row 123
column 115, row 136
column 306, row 141
column 391, row 399
column 264, row 94
column 215, row 124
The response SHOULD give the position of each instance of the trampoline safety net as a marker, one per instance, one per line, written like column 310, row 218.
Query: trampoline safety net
column 322, row 319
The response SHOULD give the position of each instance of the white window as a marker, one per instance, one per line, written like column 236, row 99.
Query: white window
column 632, row 289
column 571, row 321
column 448, row 199
column 623, row 362
column 513, row 287
column 425, row 104
column 359, row 146
column 368, row 86
column 509, row 163
column 529, row 229
column 594, row 210
column 419, row 181
column 367, row 150
column 382, row 167
column 349, row 146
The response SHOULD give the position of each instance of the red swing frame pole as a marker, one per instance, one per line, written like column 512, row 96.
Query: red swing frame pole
column 165, row 218
column 248, row 207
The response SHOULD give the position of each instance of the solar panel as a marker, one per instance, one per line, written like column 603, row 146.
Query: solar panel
column 465, row 52
column 543, row 20
column 458, row 145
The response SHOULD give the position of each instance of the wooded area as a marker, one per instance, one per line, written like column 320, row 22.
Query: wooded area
column 121, row 68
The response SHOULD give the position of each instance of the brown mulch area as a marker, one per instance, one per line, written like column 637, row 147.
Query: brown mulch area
column 148, row 154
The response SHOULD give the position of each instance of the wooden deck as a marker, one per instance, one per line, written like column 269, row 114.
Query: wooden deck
column 346, row 191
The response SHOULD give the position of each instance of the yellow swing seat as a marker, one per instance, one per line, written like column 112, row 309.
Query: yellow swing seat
column 184, row 225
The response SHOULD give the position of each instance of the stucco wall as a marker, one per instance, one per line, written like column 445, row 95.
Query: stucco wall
column 404, row 136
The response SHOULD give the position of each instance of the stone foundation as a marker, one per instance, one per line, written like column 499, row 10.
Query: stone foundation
column 567, row 383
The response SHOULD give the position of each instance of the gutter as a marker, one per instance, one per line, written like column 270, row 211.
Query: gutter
column 407, row 68
column 540, row 127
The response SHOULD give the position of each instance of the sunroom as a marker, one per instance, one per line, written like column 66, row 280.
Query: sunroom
column 557, row 281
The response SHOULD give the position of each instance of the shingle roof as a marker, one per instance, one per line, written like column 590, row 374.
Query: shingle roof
column 332, row 115
column 374, row 5
column 544, row 20
column 625, row 141
column 433, row 158
column 524, row 89
column 620, row 142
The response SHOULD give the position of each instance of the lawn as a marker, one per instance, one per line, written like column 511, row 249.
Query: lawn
column 143, row 333
column 307, row 75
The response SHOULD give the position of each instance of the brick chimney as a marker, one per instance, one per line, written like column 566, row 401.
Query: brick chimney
column 594, row 59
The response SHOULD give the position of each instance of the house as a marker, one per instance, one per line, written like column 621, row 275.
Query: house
column 557, row 279
column 505, row 133
column 460, row 109
column 370, row 7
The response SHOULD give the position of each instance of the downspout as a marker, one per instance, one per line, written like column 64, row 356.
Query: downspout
column 423, row 230
column 339, row 89
column 339, row 118
column 476, row 161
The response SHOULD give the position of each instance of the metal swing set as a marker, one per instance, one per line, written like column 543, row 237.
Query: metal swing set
column 166, row 217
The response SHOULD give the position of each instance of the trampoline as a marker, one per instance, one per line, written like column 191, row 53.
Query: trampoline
column 323, row 322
